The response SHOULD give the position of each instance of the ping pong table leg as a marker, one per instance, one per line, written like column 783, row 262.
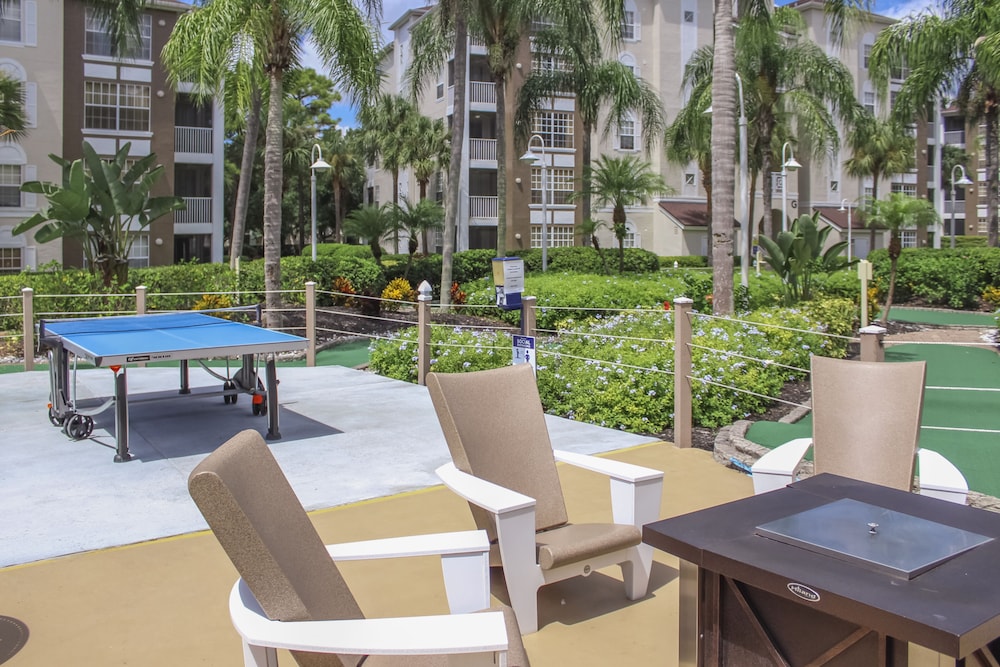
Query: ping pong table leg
column 121, row 418
column 272, row 401
column 185, row 381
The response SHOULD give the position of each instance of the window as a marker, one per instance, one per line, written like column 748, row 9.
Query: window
column 905, row 188
column 115, row 106
column 10, row 185
column 870, row 102
column 630, row 25
column 866, row 55
column 554, row 127
column 628, row 60
column 549, row 62
column 97, row 39
column 834, row 186
column 11, row 260
column 138, row 254
column 892, row 98
column 440, row 91
column 626, row 135
column 689, row 17
column 908, row 238
column 10, row 21
column 560, row 236
column 631, row 239
column 869, row 192
column 560, row 185
column 689, row 179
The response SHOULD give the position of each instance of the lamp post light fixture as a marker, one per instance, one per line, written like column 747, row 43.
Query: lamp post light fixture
column 531, row 158
column 786, row 164
column 318, row 164
column 845, row 207
column 963, row 182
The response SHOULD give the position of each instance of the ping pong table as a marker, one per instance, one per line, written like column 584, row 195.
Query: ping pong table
column 116, row 342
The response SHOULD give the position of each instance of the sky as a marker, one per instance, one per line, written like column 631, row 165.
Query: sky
column 393, row 9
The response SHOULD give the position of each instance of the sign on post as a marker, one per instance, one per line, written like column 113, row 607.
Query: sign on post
column 508, row 277
column 524, row 351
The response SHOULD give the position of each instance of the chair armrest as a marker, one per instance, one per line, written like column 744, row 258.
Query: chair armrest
column 626, row 472
column 479, row 492
column 417, row 635
column 778, row 467
column 939, row 478
column 636, row 492
column 434, row 544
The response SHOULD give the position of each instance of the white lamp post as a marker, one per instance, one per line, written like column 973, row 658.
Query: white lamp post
column 786, row 164
column 531, row 158
column 963, row 182
column 845, row 207
column 317, row 165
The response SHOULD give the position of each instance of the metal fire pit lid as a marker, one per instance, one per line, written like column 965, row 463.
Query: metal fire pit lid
column 873, row 537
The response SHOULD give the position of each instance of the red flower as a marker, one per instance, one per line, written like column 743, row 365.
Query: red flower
column 666, row 305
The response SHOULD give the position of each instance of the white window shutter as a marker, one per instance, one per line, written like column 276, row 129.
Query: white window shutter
column 29, row 173
column 30, row 23
column 31, row 103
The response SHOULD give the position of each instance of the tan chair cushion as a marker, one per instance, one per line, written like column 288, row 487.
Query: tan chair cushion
column 495, row 428
column 579, row 541
column 866, row 419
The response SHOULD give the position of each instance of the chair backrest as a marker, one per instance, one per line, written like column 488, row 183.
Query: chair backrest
column 495, row 428
column 265, row 531
column 866, row 419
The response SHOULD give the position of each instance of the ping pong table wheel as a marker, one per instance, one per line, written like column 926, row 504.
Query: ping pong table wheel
column 79, row 427
column 259, row 404
column 229, row 385
column 55, row 419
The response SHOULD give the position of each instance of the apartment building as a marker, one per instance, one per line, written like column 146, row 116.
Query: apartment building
column 969, row 207
column 657, row 41
column 78, row 88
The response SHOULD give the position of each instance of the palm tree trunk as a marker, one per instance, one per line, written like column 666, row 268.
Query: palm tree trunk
column 272, row 200
column 501, row 94
column 337, row 213
column 893, row 259
column 874, row 235
column 723, row 159
column 767, row 194
column 585, row 160
column 455, row 166
column 246, row 177
column 395, row 202
column 706, row 184
column 992, row 193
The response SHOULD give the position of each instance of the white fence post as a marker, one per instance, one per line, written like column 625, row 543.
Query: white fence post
column 28, row 327
column 311, row 322
column 872, row 345
column 528, row 314
column 682, row 371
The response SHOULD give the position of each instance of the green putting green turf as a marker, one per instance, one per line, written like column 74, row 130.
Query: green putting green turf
column 947, row 366
column 942, row 317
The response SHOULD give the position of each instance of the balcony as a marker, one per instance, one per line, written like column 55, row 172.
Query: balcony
column 193, row 140
column 483, row 149
column 198, row 211
column 482, row 92
column 483, row 207
column 957, row 207
column 955, row 137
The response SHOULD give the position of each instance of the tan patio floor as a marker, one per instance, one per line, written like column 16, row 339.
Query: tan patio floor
column 164, row 602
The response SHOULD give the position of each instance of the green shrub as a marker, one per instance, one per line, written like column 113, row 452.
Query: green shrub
column 339, row 250
column 453, row 350
column 684, row 262
column 953, row 278
column 365, row 275
column 975, row 241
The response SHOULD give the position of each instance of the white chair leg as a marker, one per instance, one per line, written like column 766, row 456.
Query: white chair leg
column 636, row 571
column 524, row 602
column 259, row 656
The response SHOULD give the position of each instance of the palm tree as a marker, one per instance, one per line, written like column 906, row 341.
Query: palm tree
column 386, row 123
column 416, row 220
column 344, row 38
column 13, row 120
column 343, row 160
column 689, row 139
column 373, row 224
column 236, row 78
column 839, row 12
column 621, row 182
column 896, row 213
column 879, row 147
column 588, row 232
column 958, row 45
column 430, row 150
column 598, row 84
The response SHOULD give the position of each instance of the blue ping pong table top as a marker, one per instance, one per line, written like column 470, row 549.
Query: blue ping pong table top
column 109, row 341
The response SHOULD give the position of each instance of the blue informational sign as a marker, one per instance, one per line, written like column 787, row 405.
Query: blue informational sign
column 508, row 279
column 524, row 351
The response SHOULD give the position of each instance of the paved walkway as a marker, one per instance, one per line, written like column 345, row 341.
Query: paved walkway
column 348, row 435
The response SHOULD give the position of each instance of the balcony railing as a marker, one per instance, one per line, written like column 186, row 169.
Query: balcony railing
column 954, row 137
column 483, row 149
column 192, row 139
column 482, row 92
column 958, row 207
column 199, row 210
column 483, row 207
